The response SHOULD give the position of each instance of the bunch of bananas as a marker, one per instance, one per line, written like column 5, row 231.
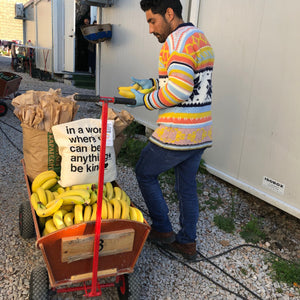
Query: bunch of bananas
column 125, row 91
column 59, row 207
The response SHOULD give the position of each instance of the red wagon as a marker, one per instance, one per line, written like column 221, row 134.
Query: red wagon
column 71, row 254
column 9, row 84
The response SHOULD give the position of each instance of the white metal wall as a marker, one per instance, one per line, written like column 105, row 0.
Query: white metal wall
column 255, row 87
column 132, row 51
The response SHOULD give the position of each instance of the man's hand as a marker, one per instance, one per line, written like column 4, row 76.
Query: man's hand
column 144, row 83
column 139, row 98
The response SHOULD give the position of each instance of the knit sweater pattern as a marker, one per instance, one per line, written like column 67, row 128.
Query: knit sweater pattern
column 184, row 91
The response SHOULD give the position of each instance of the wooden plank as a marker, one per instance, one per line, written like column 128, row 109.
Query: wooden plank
column 88, row 276
column 82, row 247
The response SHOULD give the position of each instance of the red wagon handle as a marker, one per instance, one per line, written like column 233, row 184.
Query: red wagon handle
column 105, row 101
column 115, row 100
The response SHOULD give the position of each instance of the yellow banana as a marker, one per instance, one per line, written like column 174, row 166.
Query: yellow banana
column 49, row 183
column 132, row 213
column 128, row 88
column 68, row 200
column 58, row 218
column 49, row 196
column 104, row 190
column 140, row 217
column 125, row 210
column 78, row 213
column 43, row 211
column 45, row 232
column 109, row 190
column 128, row 200
column 87, row 213
column 123, row 195
column 80, row 192
column 42, row 178
column 34, row 199
column 147, row 91
column 94, row 214
column 68, row 218
column 49, row 226
column 60, row 190
column 117, row 208
column 42, row 195
column 117, row 192
column 127, row 94
column 68, row 207
column 110, row 210
column 88, row 186
column 55, row 194
column 93, row 198
column 104, row 210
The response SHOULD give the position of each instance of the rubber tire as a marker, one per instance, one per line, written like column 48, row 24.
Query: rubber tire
column 39, row 284
column 3, row 108
column 26, row 225
column 132, row 287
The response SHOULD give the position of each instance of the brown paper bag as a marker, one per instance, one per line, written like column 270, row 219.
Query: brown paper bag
column 40, row 152
column 121, row 121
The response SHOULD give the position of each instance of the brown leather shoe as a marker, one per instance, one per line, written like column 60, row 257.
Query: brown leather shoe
column 188, row 251
column 161, row 237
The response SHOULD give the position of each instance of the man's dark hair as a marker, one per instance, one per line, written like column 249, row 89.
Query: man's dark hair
column 160, row 6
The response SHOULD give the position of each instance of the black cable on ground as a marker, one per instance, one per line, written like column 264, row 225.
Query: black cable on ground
column 11, row 126
column 14, row 145
column 208, row 259
column 173, row 257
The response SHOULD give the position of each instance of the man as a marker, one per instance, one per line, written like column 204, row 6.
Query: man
column 183, row 98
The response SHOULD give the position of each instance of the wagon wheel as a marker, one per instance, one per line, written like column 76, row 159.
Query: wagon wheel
column 26, row 225
column 39, row 284
column 130, row 287
column 3, row 108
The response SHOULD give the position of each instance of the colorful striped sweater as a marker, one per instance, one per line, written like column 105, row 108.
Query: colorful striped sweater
column 184, row 91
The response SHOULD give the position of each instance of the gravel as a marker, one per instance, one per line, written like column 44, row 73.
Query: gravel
column 236, row 273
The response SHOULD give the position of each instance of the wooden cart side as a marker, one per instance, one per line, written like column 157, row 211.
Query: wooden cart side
column 66, row 273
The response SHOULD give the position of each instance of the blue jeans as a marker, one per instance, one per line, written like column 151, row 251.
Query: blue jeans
column 155, row 160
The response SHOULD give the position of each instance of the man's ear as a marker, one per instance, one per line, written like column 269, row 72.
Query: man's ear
column 170, row 14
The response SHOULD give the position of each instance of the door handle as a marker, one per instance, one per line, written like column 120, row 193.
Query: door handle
column 70, row 35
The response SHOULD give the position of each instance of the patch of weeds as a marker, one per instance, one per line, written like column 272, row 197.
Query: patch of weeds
column 134, row 128
column 285, row 271
column 132, row 147
column 244, row 271
column 202, row 167
column 213, row 202
column 224, row 223
column 130, row 152
column 252, row 232
column 252, row 268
